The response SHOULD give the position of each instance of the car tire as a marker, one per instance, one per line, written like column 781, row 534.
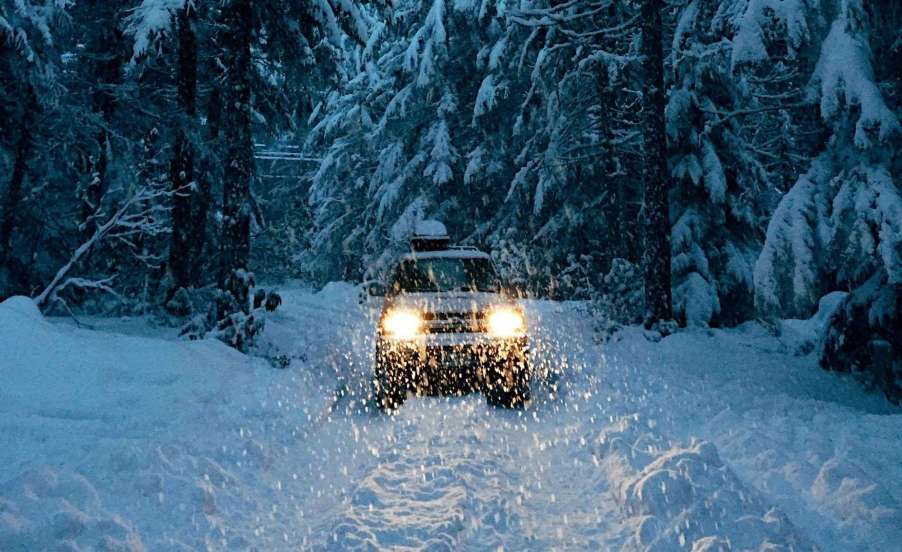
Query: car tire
column 507, row 386
column 389, row 396
column 389, row 389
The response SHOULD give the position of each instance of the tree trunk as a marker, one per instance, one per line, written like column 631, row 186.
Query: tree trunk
column 14, row 190
column 200, row 208
column 181, row 250
column 655, row 175
column 239, row 157
column 613, row 205
column 93, row 192
column 107, row 53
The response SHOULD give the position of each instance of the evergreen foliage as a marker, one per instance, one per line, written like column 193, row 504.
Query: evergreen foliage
column 525, row 127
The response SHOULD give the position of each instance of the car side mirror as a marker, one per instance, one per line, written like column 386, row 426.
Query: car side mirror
column 376, row 289
column 517, row 288
column 370, row 289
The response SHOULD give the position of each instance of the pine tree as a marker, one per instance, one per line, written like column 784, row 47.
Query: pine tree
column 655, row 176
column 29, row 71
column 237, row 19
column 836, row 226
column 489, row 132
column 104, row 53
column 196, row 154
column 185, row 248
column 573, row 198
column 294, row 49
column 393, row 139
column 14, row 188
column 721, row 180
column 279, row 24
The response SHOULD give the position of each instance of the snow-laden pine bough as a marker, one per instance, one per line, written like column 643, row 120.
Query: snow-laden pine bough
column 448, row 326
column 141, row 213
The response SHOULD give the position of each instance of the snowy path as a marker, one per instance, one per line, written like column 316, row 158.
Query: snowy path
column 706, row 441
column 453, row 473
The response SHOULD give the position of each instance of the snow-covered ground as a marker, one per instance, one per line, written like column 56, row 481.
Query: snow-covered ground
column 124, row 438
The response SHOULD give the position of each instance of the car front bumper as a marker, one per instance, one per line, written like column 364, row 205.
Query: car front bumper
column 450, row 363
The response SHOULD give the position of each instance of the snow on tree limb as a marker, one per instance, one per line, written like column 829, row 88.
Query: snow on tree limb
column 845, row 78
column 786, row 273
column 151, row 20
column 135, row 214
column 749, row 42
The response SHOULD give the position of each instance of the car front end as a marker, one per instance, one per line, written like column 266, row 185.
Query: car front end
column 439, row 344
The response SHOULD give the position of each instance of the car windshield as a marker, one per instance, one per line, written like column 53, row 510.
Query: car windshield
column 446, row 274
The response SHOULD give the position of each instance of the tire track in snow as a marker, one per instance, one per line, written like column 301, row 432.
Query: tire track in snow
column 449, row 474
column 436, row 485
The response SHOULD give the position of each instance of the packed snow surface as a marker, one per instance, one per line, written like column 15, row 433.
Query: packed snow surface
column 121, row 437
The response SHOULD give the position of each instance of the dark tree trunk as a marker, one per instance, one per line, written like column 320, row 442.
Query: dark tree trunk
column 239, row 155
column 203, row 199
column 182, row 249
column 14, row 190
column 655, row 175
column 93, row 192
column 613, row 205
column 108, row 57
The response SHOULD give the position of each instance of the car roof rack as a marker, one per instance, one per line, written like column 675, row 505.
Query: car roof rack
column 454, row 251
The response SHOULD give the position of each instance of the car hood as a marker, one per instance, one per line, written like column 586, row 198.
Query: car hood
column 449, row 302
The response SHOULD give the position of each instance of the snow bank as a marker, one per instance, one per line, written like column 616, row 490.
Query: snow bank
column 806, row 441
column 80, row 375
column 807, row 335
column 704, row 440
column 684, row 497
column 46, row 509
column 119, row 442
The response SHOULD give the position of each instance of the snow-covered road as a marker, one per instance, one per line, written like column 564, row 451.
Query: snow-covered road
column 707, row 440
column 456, row 474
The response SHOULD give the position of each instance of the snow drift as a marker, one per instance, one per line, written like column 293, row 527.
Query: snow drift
column 705, row 440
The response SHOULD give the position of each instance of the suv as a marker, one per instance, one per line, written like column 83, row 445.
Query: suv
column 448, row 327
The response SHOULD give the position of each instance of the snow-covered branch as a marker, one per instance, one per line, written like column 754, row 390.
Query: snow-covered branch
column 134, row 215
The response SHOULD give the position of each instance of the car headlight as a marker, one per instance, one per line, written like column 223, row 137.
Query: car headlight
column 402, row 324
column 506, row 322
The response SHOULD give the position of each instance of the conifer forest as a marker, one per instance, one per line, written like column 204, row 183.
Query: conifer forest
column 664, row 186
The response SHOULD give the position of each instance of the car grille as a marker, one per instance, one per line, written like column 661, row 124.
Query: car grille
column 454, row 322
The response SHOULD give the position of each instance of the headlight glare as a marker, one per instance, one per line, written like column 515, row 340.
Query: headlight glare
column 506, row 322
column 402, row 324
